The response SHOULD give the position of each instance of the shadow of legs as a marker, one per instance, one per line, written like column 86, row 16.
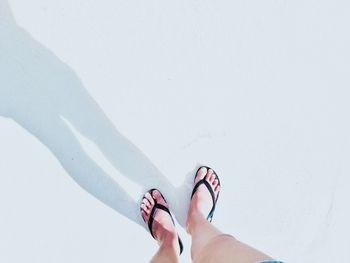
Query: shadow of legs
column 37, row 88
column 59, row 139
column 86, row 116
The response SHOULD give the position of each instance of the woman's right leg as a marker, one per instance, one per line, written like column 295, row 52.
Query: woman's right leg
column 211, row 245
column 162, row 227
column 208, row 243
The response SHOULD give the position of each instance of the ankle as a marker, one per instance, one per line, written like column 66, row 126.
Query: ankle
column 167, row 237
column 168, row 241
column 195, row 218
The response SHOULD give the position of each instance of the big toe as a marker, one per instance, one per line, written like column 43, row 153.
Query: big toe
column 159, row 198
column 201, row 173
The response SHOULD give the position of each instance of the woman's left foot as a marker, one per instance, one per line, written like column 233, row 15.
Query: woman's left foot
column 162, row 227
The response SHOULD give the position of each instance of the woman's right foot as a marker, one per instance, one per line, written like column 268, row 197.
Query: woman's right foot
column 202, row 201
column 163, row 228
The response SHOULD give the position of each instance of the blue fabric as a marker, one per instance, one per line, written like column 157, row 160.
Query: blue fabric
column 271, row 261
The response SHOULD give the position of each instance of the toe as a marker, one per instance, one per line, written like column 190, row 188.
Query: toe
column 144, row 215
column 201, row 173
column 159, row 198
column 156, row 195
column 207, row 177
column 217, row 188
column 215, row 182
column 144, row 208
column 146, row 202
column 212, row 178
column 149, row 198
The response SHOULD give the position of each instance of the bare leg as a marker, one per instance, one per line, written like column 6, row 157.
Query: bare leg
column 167, row 252
column 208, row 243
column 163, row 229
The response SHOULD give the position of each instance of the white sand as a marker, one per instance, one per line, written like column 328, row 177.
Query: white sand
column 259, row 90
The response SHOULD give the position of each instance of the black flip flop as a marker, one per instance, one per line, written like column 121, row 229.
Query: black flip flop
column 210, row 189
column 154, row 209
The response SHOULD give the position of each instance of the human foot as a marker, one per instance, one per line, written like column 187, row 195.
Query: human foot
column 155, row 212
column 204, row 196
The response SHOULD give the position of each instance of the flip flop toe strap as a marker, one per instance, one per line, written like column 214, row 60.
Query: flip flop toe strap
column 151, row 219
column 152, row 215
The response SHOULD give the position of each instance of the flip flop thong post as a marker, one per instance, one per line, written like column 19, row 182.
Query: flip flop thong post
column 210, row 189
column 152, row 216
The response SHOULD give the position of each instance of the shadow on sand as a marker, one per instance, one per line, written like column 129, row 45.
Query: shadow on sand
column 40, row 93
